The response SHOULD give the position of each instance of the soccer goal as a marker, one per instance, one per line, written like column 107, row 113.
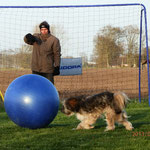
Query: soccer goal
column 111, row 41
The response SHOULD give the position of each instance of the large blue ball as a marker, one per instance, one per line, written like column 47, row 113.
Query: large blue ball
column 31, row 101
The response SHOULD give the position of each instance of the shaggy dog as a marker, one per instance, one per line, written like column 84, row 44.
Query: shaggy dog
column 89, row 109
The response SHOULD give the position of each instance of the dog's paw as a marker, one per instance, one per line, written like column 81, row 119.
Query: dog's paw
column 87, row 127
column 109, row 129
column 91, row 127
column 79, row 127
column 129, row 128
column 106, row 130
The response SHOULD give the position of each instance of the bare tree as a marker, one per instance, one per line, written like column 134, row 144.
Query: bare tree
column 23, row 57
column 108, row 46
column 113, row 43
column 131, row 34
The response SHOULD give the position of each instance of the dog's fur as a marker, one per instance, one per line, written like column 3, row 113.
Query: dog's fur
column 89, row 109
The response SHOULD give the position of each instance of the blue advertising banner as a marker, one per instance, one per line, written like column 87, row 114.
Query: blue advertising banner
column 71, row 66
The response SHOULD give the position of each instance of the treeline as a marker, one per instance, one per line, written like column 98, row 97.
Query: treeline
column 113, row 47
column 116, row 46
column 18, row 58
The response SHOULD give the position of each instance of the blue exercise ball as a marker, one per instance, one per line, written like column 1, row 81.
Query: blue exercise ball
column 31, row 101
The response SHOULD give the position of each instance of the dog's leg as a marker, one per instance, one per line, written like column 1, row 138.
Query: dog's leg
column 127, row 125
column 83, row 126
column 110, row 121
column 122, row 119
column 86, row 123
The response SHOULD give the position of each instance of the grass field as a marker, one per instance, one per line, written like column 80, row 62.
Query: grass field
column 60, row 136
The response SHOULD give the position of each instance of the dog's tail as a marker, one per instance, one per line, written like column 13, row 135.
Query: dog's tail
column 120, row 101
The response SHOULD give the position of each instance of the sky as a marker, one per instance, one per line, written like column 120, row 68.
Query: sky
column 75, row 2
column 68, row 2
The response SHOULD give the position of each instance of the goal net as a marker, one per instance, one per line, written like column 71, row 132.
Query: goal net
column 106, row 37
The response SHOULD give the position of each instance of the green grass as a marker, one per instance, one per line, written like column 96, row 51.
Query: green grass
column 60, row 136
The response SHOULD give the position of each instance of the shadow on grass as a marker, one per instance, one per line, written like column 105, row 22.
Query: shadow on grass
column 2, row 109
column 140, row 118
column 58, row 125
column 138, row 125
column 4, row 117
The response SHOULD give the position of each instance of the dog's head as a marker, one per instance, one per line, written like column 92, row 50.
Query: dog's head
column 71, row 105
